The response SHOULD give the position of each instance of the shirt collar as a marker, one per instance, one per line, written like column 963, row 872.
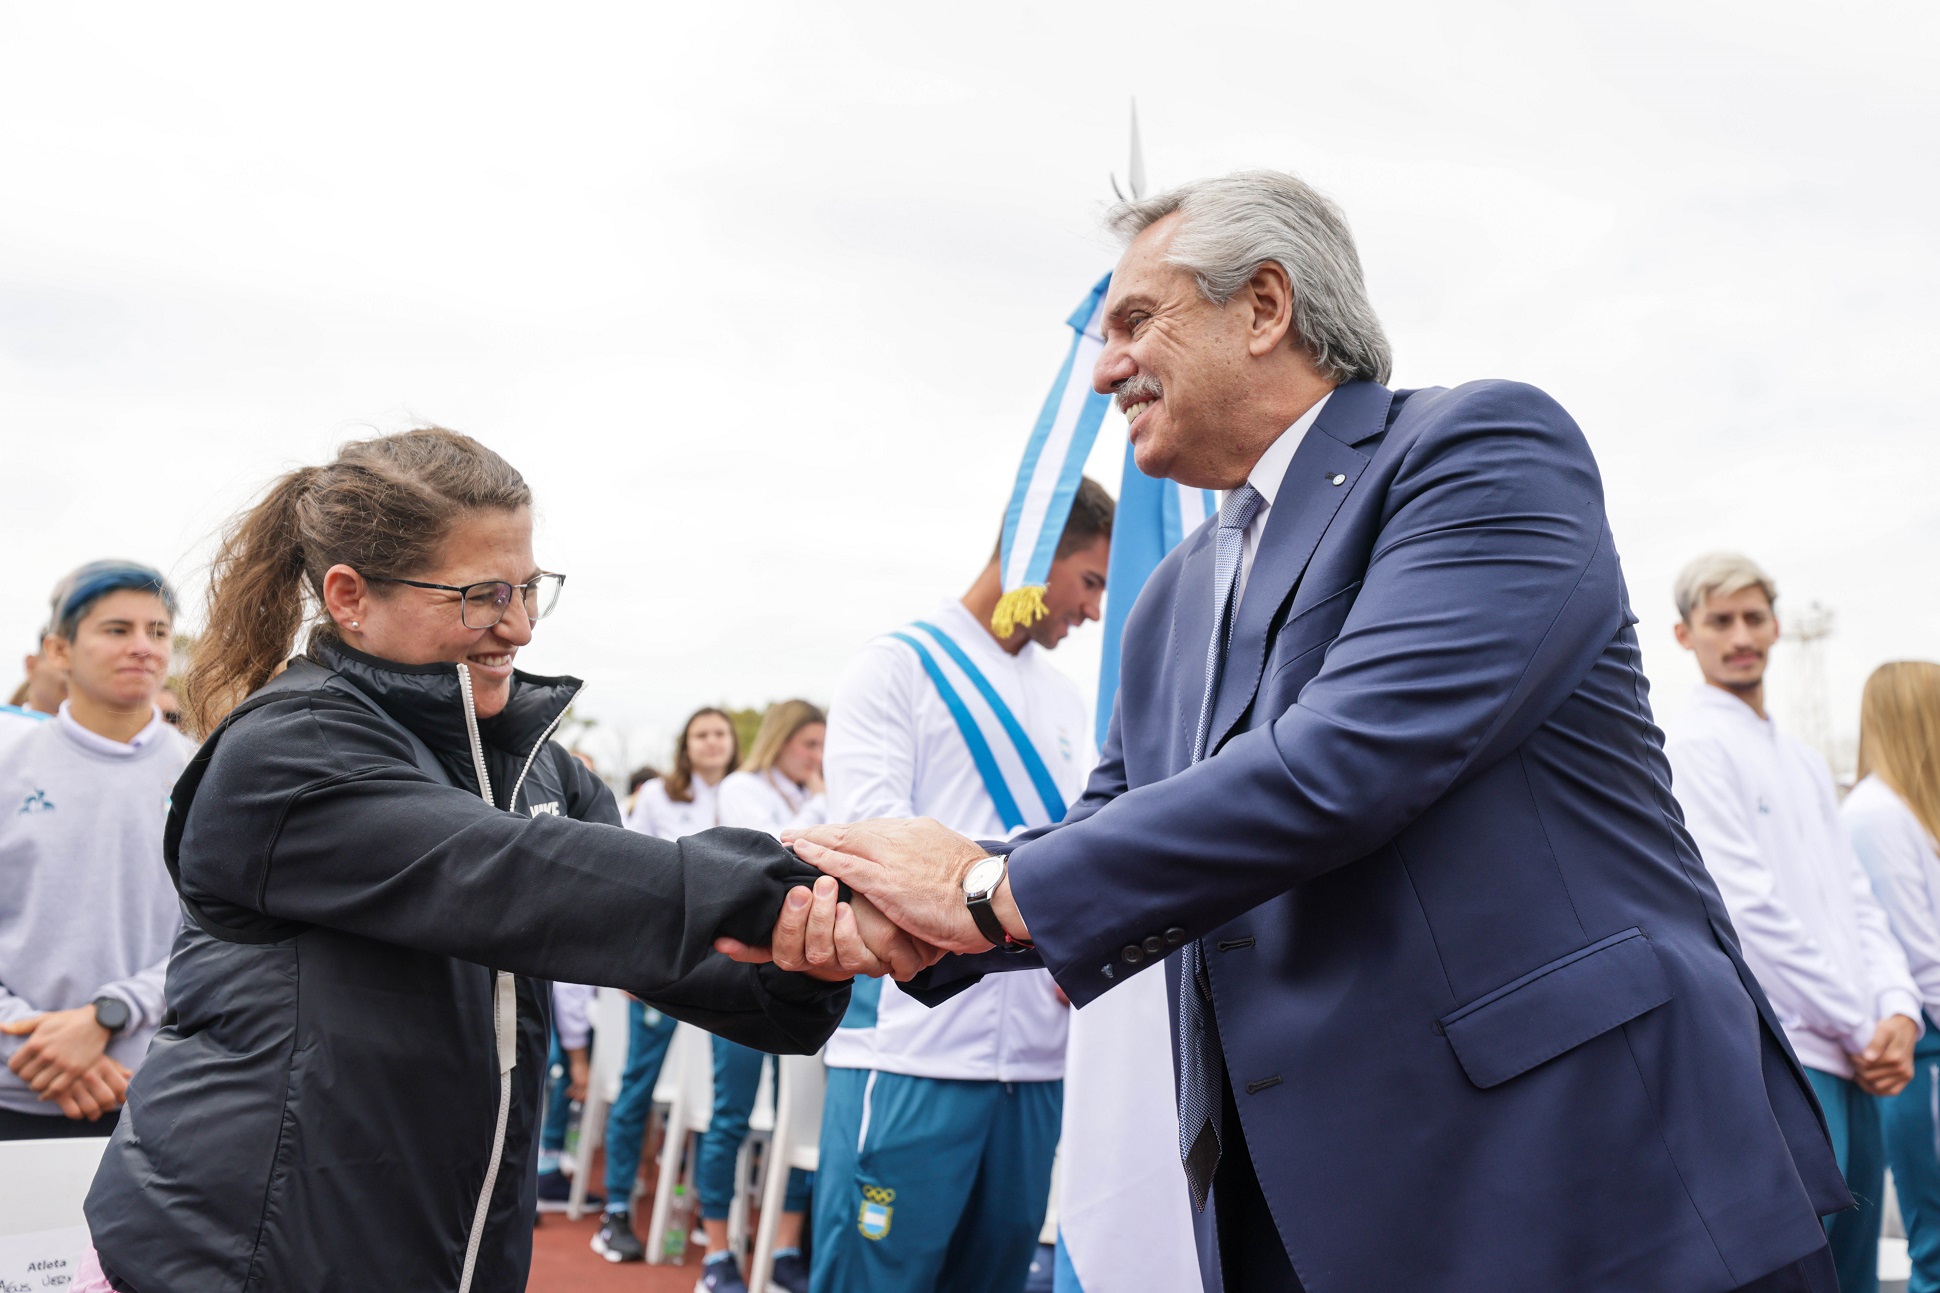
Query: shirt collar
column 972, row 636
column 1271, row 469
column 107, row 745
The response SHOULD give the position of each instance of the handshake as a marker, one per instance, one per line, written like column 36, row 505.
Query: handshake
column 906, row 911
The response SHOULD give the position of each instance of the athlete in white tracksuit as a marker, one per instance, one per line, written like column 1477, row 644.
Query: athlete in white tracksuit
column 940, row 1124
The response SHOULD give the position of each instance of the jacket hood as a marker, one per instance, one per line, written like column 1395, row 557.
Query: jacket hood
column 427, row 699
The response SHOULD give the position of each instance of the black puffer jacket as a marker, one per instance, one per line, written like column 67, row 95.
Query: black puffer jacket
column 324, row 1111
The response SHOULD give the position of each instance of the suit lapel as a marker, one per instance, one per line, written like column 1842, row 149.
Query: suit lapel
column 1304, row 507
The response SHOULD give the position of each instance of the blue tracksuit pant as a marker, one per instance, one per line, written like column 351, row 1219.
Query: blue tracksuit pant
column 1853, row 1118
column 737, row 1076
column 1912, row 1120
column 931, row 1184
column 648, row 1032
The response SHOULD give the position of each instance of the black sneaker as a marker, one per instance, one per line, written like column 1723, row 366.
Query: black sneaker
column 556, row 1188
column 791, row 1272
column 616, row 1242
column 721, row 1276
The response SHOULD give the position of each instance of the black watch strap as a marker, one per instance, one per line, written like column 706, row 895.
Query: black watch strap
column 111, row 1013
column 985, row 915
column 989, row 926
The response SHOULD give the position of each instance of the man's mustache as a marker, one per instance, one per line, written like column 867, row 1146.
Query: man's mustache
column 1136, row 390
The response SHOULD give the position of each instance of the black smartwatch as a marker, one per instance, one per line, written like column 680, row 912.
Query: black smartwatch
column 979, row 883
column 111, row 1013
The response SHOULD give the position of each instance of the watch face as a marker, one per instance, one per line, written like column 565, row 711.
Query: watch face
column 983, row 877
column 112, row 1013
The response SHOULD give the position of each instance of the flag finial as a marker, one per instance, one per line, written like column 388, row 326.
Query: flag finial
column 1135, row 177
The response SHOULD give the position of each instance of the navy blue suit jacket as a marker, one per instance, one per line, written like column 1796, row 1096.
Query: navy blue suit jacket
column 1483, row 1012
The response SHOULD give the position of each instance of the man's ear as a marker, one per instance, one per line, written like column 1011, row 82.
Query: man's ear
column 1269, row 294
column 1682, row 632
column 57, row 651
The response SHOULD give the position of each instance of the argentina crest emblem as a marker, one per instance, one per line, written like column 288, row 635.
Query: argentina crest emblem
column 873, row 1220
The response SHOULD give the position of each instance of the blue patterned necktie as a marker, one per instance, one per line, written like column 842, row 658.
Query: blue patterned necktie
column 1201, row 1067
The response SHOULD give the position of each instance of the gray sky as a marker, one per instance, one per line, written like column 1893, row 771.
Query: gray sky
column 763, row 298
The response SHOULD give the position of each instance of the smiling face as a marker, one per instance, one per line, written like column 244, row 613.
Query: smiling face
column 424, row 625
column 1732, row 638
column 710, row 747
column 1174, row 360
column 801, row 759
column 1206, row 388
column 120, row 652
column 1074, row 593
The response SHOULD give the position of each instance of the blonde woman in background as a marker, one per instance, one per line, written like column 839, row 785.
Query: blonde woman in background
column 779, row 785
column 1893, row 815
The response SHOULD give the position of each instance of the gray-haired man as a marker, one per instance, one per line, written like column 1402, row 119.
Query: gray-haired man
column 1383, row 797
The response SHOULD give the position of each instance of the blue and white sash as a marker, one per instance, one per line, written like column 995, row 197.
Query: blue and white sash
column 989, row 766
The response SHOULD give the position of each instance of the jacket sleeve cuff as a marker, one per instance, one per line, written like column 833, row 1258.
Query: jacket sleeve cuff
column 1898, row 1001
column 806, row 1010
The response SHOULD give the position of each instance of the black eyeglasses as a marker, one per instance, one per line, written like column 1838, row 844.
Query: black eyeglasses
column 484, row 604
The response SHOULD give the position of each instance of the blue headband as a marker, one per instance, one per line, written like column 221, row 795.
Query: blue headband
column 96, row 580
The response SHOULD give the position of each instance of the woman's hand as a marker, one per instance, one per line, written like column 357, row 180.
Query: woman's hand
column 832, row 940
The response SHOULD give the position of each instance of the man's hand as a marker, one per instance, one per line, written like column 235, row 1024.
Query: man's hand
column 577, row 1071
column 61, row 1046
column 1886, row 1065
column 832, row 940
column 99, row 1091
column 913, row 871
column 65, row 1060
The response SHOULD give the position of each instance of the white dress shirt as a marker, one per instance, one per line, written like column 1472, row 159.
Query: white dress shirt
column 1762, row 809
column 895, row 751
column 1899, row 855
column 1265, row 477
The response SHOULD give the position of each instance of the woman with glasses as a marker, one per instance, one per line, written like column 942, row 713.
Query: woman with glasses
column 1893, row 815
column 383, row 856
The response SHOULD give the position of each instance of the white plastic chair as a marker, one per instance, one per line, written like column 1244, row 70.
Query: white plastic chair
column 611, row 1031
column 795, row 1143
column 761, row 1130
column 43, row 1184
column 1049, row 1233
column 687, row 1078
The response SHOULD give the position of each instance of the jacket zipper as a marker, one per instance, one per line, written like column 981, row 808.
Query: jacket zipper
column 505, row 1009
column 512, row 802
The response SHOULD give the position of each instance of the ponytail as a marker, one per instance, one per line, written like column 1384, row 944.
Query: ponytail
column 255, row 603
column 383, row 508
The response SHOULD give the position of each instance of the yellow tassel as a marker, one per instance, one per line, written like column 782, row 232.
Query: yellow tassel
column 1018, row 608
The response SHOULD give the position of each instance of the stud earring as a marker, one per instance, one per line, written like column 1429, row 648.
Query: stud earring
column 353, row 624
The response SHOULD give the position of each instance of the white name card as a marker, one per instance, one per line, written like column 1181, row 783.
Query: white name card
column 42, row 1260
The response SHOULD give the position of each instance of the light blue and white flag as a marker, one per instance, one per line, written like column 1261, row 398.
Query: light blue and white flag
column 1152, row 517
column 1054, row 462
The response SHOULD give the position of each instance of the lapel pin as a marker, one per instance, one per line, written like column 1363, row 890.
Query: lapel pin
column 1337, row 479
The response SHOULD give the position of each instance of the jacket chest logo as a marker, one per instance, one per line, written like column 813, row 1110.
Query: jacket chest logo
column 551, row 806
column 38, row 802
